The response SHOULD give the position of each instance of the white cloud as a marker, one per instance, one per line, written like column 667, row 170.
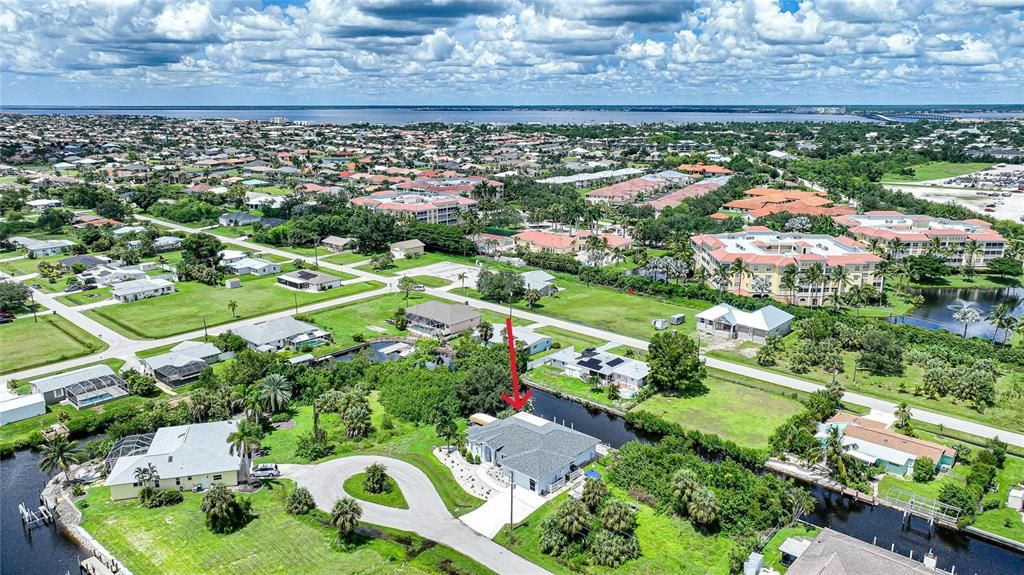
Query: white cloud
column 188, row 22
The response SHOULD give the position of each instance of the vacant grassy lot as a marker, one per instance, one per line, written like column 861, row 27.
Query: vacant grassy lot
column 174, row 540
column 410, row 263
column 936, row 171
column 26, row 266
column 25, row 343
column 667, row 545
column 431, row 281
column 345, row 258
column 730, row 410
column 895, row 389
column 391, row 497
column 567, row 338
column 184, row 310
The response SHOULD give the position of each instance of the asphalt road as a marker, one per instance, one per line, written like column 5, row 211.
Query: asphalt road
column 122, row 347
column 426, row 516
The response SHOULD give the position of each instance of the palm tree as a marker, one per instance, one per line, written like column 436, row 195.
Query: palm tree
column 790, row 281
column 902, row 417
column 895, row 247
column 684, row 483
column 971, row 249
column 446, row 424
column 1010, row 325
column 935, row 247
column 276, row 391
column 146, row 475
column 740, row 268
column 462, row 279
column 618, row 516
column 245, row 439
column 572, row 517
column 812, row 276
column 967, row 315
column 997, row 317
column 233, row 306
column 59, row 453
column 875, row 246
column 840, row 278
column 486, row 331
column 532, row 296
column 345, row 516
column 833, row 451
column 722, row 277
column 703, row 506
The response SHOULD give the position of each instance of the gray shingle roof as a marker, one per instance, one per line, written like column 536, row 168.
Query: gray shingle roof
column 64, row 380
column 445, row 313
column 273, row 330
column 532, row 446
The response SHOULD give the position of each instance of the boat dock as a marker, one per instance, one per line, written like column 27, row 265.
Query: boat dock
column 30, row 519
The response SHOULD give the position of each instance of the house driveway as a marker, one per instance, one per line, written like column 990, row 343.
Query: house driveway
column 448, row 271
column 491, row 517
column 426, row 516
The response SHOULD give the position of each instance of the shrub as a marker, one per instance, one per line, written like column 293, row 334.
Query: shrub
column 376, row 479
column 924, row 470
column 280, row 417
column 300, row 501
column 152, row 499
column 312, row 448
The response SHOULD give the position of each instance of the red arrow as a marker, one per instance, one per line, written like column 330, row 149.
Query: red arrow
column 516, row 401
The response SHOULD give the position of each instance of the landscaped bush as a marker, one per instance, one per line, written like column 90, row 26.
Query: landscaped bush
column 153, row 498
column 924, row 470
column 225, row 512
column 312, row 448
column 300, row 501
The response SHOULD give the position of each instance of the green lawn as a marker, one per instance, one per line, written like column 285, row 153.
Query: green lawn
column 607, row 308
column 936, row 171
column 994, row 520
column 85, row 297
column 345, row 258
column 667, row 545
column 392, row 497
column 26, row 266
column 980, row 281
column 184, row 310
column 231, row 231
column 733, row 411
column 26, row 343
column 410, row 263
column 431, row 281
column 174, row 540
column 567, row 338
column 772, row 556
column 894, row 389
column 551, row 377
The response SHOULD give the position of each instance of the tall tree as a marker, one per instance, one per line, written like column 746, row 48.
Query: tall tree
column 59, row 453
column 345, row 516
column 675, row 365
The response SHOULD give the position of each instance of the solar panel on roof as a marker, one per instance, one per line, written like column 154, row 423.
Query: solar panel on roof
column 616, row 361
column 591, row 364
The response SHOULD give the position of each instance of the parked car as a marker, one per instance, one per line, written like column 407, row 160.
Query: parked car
column 264, row 470
column 72, row 289
column 419, row 287
column 6, row 317
column 37, row 286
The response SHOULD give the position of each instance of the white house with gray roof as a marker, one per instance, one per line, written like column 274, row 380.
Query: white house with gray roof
column 42, row 248
column 535, row 453
column 136, row 290
column 729, row 322
column 435, row 318
column 83, row 387
column 185, row 457
column 276, row 334
column 628, row 374
column 253, row 266
column 184, row 362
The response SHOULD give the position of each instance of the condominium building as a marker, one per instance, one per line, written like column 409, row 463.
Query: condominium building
column 921, row 235
column 767, row 253
column 425, row 206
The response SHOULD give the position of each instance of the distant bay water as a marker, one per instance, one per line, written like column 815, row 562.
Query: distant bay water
column 397, row 116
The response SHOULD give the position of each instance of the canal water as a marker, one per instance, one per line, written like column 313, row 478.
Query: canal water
column 970, row 555
column 47, row 551
column 936, row 312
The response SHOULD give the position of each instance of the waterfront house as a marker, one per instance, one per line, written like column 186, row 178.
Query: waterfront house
column 435, row 318
column 184, row 362
column 872, row 443
column 83, row 387
column 536, row 454
column 275, row 334
column 186, row 457
column 729, row 322
column 628, row 374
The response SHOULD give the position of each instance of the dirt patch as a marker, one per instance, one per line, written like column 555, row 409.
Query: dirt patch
column 290, row 424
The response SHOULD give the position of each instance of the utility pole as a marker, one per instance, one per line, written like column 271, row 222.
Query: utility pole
column 316, row 259
column 295, row 297
column 206, row 333
column 511, row 503
column 32, row 295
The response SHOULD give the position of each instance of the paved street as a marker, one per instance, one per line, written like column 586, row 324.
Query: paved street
column 125, row 348
column 426, row 515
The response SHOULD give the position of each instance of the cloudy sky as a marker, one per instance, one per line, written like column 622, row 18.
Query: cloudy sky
column 195, row 52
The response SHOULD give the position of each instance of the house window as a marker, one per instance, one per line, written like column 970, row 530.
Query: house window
column 218, row 477
column 190, row 478
column 177, row 481
column 156, row 484
column 533, row 485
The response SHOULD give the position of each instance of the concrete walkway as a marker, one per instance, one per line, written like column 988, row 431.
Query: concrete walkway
column 426, row 516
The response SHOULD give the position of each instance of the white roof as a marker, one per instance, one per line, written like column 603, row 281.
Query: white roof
column 523, row 334
column 181, row 451
column 62, row 380
column 766, row 318
column 795, row 546
column 139, row 286
column 20, row 401
column 183, row 354
column 274, row 330
column 537, row 279
column 256, row 263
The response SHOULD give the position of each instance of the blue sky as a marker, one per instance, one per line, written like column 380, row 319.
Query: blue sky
column 351, row 52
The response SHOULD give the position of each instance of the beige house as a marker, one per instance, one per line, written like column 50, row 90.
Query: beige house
column 407, row 249
column 185, row 457
column 439, row 319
